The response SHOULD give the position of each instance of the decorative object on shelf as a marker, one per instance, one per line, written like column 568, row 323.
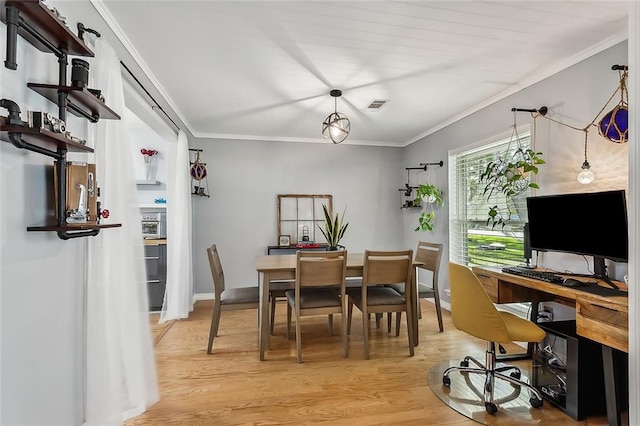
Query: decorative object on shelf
column 334, row 228
column 585, row 176
column 79, row 72
column 336, row 126
column 430, row 197
column 408, row 188
column 305, row 233
column 147, row 156
column 198, row 173
column 614, row 126
column 512, row 174
column 284, row 240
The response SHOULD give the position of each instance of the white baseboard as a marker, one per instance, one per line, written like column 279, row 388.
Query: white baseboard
column 203, row 296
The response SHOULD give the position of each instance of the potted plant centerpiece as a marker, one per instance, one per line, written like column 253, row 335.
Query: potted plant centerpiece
column 334, row 228
column 429, row 196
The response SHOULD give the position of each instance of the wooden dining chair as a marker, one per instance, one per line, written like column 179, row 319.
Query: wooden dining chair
column 232, row 299
column 319, row 290
column 375, row 296
column 430, row 255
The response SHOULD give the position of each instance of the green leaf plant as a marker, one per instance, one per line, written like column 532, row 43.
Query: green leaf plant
column 334, row 228
column 509, row 177
column 429, row 196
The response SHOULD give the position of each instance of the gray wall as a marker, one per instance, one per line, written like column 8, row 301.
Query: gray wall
column 573, row 96
column 245, row 178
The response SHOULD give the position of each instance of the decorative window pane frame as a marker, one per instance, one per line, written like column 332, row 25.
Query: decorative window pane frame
column 297, row 211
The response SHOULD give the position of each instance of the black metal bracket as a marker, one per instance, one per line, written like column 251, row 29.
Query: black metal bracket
column 67, row 235
column 439, row 163
column 16, row 140
column 542, row 110
column 620, row 68
column 82, row 29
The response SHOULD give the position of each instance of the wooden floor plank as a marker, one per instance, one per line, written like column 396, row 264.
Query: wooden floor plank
column 232, row 387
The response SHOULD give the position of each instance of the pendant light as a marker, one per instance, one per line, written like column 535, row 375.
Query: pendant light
column 336, row 126
column 585, row 176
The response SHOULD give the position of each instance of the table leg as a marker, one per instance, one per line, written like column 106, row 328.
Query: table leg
column 263, row 328
column 610, row 391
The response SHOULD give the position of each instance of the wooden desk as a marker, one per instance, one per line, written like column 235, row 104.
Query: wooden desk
column 283, row 267
column 603, row 319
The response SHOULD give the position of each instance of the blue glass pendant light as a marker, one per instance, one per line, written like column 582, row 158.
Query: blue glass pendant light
column 614, row 126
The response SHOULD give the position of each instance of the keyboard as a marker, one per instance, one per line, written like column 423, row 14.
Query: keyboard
column 547, row 276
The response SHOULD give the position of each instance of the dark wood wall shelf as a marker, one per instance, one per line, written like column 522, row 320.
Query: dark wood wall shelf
column 44, row 138
column 78, row 96
column 73, row 227
column 37, row 15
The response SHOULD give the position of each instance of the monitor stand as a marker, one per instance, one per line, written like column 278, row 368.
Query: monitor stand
column 600, row 271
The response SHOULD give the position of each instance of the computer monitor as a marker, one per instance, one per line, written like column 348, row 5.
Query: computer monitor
column 590, row 224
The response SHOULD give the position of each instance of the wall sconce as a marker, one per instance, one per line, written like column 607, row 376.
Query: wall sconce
column 336, row 126
column 585, row 176
column 614, row 126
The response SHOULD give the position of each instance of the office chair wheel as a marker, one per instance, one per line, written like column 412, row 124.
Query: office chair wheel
column 535, row 402
column 516, row 375
column 490, row 407
column 446, row 380
column 464, row 363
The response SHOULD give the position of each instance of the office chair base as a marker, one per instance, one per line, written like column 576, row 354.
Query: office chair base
column 491, row 373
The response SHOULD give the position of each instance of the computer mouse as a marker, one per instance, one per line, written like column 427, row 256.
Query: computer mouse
column 572, row 282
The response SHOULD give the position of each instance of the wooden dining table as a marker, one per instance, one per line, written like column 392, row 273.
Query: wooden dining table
column 283, row 267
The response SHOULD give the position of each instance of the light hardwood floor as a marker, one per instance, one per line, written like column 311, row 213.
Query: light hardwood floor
column 231, row 387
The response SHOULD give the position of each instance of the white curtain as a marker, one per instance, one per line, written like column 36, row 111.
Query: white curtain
column 120, row 364
column 178, row 296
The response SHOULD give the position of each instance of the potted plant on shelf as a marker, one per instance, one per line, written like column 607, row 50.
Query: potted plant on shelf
column 510, row 176
column 430, row 197
column 334, row 228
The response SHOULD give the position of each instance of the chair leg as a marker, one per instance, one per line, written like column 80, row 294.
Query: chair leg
column 398, row 318
column 438, row 312
column 273, row 314
column 215, row 322
column 330, row 324
column 378, row 317
column 298, row 339
column 345, row 344
column 365, row 334
column 288, row 320
column 389, row 315
column 349, row 314
column 419, row 309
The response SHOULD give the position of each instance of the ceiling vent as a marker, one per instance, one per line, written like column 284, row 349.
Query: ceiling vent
column 377, row 104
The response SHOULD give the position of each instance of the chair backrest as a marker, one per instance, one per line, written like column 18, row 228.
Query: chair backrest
column 430, row 254
column 216, row 271
column 320, row 269
column 387, row 267
column 472, row 310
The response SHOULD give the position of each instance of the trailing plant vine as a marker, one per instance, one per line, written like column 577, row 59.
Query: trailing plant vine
column 428, row 195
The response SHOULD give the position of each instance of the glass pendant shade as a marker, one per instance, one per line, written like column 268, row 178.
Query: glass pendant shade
column 615, row 125
column 586, row 176
column 336, row 127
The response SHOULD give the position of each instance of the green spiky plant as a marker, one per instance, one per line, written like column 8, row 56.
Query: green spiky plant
column 334, row 228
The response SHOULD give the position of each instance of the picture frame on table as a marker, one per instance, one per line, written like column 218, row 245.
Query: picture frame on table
column 284, row 240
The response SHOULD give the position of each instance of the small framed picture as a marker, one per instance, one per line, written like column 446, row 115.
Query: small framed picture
column 284, row 241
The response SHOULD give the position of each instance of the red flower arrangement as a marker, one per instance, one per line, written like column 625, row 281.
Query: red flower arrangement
column 148, row 154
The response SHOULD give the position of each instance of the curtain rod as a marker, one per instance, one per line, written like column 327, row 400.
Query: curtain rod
column 149, row 94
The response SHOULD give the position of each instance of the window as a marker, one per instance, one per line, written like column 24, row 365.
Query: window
column 300, row 214
column 471, row 240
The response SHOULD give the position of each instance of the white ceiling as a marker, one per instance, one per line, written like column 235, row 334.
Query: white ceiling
column 263, row 69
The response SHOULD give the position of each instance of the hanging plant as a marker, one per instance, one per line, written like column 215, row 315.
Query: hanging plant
column 429, row 196
column 510, row 175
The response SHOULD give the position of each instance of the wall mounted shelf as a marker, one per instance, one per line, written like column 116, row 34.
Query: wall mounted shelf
column 77, row 97
column 50, row 30
column 44, row 139
column 45, row 30
column 147, row 182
